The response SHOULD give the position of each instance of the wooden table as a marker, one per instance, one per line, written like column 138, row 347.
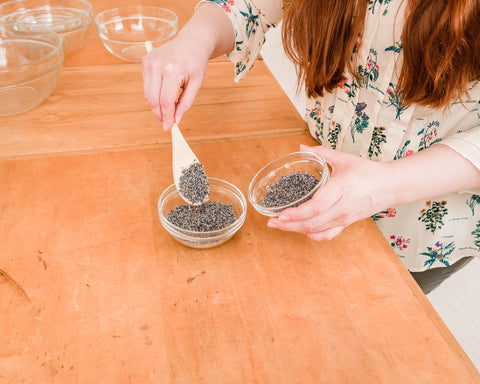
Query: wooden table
column 94, row 290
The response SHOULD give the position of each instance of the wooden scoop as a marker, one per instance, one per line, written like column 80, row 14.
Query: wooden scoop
column 182, row 159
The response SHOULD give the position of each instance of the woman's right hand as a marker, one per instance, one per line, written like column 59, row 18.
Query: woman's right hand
column 177, row 66
column 180, row 64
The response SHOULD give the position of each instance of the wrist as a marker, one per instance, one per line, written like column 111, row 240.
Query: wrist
column 389, row 190
column 209, row 30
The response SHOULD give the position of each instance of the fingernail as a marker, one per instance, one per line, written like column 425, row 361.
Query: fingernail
column 178, row 118
column 283, row 218
column 164, row 126
column 271, row 225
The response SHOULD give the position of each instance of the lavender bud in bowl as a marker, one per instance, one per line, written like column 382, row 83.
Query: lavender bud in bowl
column 208, row 224
column 287, row 182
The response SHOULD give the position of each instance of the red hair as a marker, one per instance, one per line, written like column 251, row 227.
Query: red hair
column 440, row 40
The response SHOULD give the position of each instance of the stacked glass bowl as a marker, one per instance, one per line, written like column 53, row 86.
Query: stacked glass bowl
column 71, row 19
column 31, row 58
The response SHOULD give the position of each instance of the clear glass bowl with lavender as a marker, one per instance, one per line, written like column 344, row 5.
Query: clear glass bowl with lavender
column 287, row 182
column 226, row 210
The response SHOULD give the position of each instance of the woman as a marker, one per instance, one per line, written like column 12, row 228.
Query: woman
column 393, row 97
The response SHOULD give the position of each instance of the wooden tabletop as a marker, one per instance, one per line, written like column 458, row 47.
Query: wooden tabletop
column 114, row 115
column 94, row 290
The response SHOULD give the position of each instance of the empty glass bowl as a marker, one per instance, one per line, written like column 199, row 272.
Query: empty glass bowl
column 30, row 63
column 125, row 30
column 283, row 166
column 71, row 19
column 220, row 191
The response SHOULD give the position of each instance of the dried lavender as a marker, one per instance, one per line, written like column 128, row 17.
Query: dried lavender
column 208, row 216
column 289, row 188
column 193, row 183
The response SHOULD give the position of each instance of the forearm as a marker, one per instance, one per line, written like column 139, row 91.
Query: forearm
column 211, row 28
column 436, row 171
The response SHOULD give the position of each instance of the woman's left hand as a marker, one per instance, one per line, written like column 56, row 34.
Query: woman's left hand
column 357, row 189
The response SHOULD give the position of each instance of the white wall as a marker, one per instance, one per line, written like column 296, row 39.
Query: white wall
column 457, row 300
column 282, row 68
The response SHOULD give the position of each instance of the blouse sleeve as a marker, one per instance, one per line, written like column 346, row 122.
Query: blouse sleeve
column 251, row 19
column 466, row 140
column 467, row 143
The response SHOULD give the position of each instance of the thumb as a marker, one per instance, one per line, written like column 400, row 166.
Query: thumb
column 331, row 156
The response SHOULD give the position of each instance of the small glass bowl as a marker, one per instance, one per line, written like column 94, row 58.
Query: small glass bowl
column 31, row 59
column 220, row 191
column 71, row 19
column 125, row 30
column 293, row 162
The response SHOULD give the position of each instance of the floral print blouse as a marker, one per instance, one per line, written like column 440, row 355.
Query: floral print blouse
column 365, row 118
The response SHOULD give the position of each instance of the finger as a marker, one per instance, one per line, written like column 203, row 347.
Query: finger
column 151, row 85
column 329, row 234
column 187, row 97
column 151, row 92
column 155, row 103
column 331, row 156
column 326, row 197
column 172, row 82
column 315, row 224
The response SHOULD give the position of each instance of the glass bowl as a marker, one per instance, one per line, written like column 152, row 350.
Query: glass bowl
column 293, row 162
column 71, row 19
column 30, row 63
column 125, row 30
column 220, row 191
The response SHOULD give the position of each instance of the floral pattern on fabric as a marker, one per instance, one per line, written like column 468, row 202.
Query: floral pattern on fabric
column 367, row 118
column 361, row 120
column 378, row 138
column 370, row 72
column 472, row 202
column 314, row 115
column 438, row 253
column 476, row 235
column 373, row 3
column 390, row 212
column 395, row 100
column 399, row 243
column 429, row 135
column 333, row 132
column 251, row 21
column 433, row 215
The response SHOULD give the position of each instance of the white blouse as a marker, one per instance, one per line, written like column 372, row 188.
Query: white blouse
column 366, row 119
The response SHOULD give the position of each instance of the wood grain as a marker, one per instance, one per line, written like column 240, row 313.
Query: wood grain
column 102, row 108
column 114, row 299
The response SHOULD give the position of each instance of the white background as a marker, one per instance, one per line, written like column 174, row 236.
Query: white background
column 457, row 300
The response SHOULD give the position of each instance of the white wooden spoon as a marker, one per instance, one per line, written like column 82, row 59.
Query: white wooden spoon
column 182, row 160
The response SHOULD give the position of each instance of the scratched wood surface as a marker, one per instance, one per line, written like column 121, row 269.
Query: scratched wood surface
column 102, row 108
column 94, row 290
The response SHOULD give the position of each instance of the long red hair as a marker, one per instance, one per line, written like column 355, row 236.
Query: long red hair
column 440, row 40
